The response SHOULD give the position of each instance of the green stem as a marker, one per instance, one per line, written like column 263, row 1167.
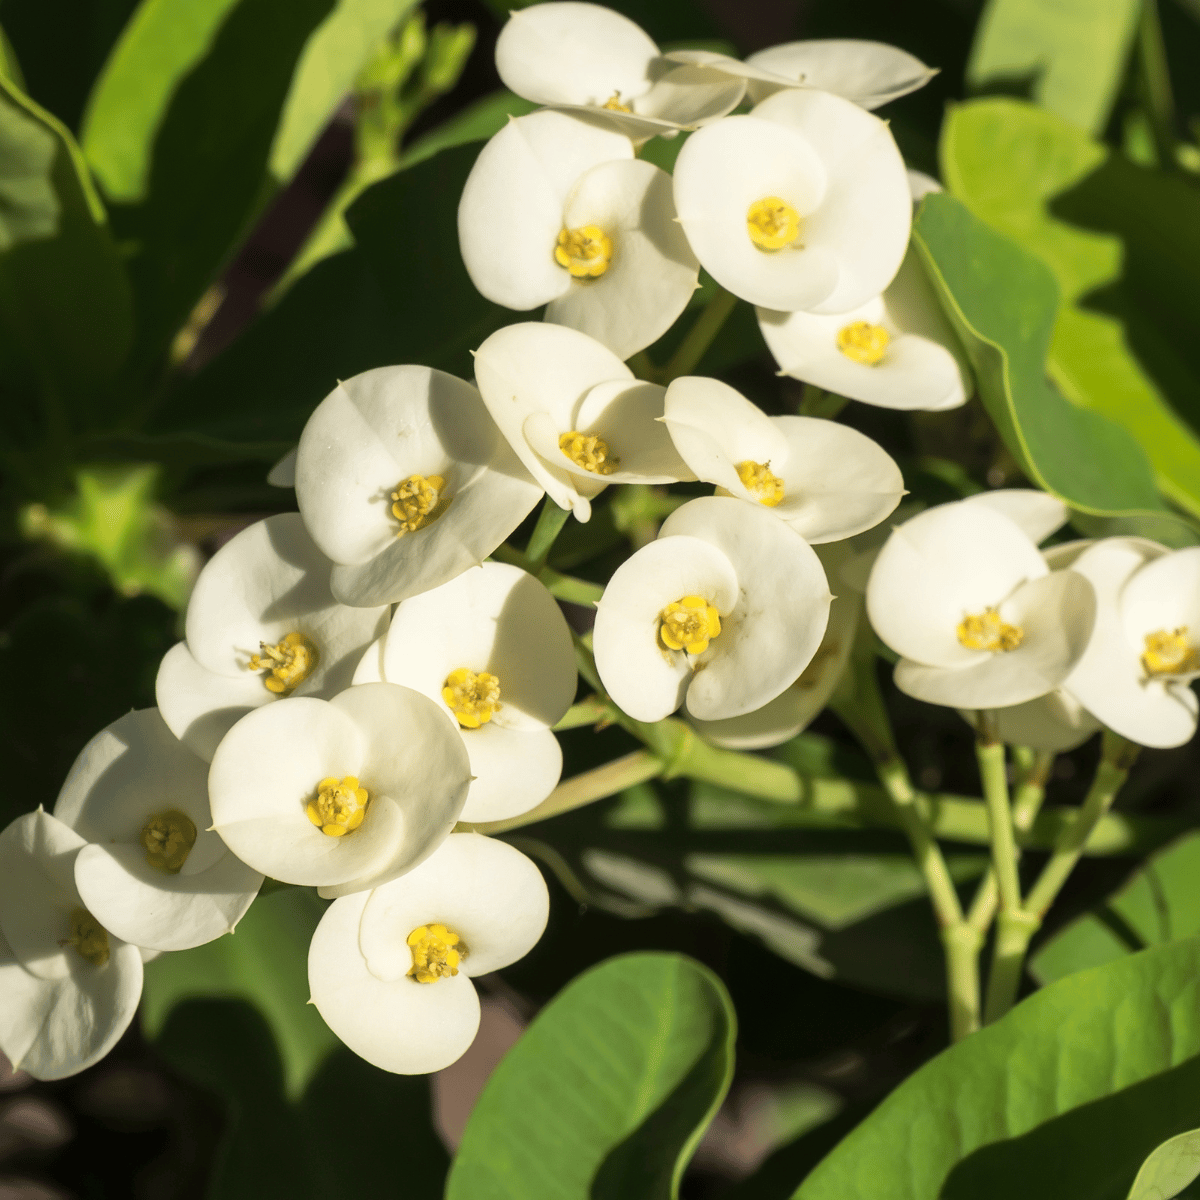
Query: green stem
column 961, row 944
column 701, row 335
column 1156, row 84
column 549, row 525
column 819, row 403
column 990, row 754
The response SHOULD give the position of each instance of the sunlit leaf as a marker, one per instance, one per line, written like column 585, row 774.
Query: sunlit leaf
column 1169, row 1169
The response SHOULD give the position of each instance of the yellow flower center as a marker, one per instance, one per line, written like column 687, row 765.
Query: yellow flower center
column 168, row 837
column 88, row 937
column 772, row 223
column 436, row 953
column 1170, row 653
column 760, row 483
column 287, row 664
column 988, row 631
column 862, row 342
column 613, row 104
column 585, row 252
column 589, row 452
column 474, row 699
column 689, row 624
column 339, row 807
column 418, row 500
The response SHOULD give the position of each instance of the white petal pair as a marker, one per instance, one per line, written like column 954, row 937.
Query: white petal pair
column 474, row 906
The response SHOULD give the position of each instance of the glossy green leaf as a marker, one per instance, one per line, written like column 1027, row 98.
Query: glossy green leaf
column 1003, row 302
column 1123, row 243
column 1159, row 904
column 1169, row 1169
column 1072, row 53
column 608, row 1092
column 264, row 962
column 1064, row 1097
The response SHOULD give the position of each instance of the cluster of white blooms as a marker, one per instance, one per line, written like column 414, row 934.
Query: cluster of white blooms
column 357, row 678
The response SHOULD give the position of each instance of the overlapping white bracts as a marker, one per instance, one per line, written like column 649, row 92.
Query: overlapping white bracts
column 868, row 73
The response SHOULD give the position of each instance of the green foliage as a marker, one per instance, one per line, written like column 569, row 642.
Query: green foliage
column 1064, row 1097
column 608, row 1091
column 1072, row 53
column 1169, row 1169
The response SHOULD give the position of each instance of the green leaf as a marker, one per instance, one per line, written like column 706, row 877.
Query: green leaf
column 1158, row 904
column 608, row 1091
column 1064, row 1097
column 1002, row 301
column 475, row 123
column 1073, row 52
column 1123, row 243
column 264, row 962
column 1169, row 1169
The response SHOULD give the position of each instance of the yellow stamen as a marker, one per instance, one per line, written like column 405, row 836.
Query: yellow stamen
column 689, row 624
column 585, row 252
column 88, row 936
column 988, row 631
column 418, row 500
column 772, row 223
column 339, row 807
column 168, row 837
column 287, row 664
column 862, row 342
column 1170, row 653
column 472, row 698
column 436, row 953
column 760, row 483
column 613, row 104
column 589, row 452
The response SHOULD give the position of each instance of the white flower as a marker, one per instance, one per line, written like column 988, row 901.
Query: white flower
column 964, row 596
column 896, row 350
column 1145, row 648
column 1056, row 722
column 556, row 211
column 868, row 73
column 493, row 649
column 390, row 970
column 802, row 204
column 725, row 609
column 261, row 623
column 343, row 794
column 585, row 56
column 403, row 481
column 825, row 480
column 574, row 413
column 1035, row 513
column 68, row 987
column 153, row 873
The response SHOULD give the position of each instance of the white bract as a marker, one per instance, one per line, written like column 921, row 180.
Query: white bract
column 868, row 73
column 1145, row 648
column 343, row 794
column 896, row 350
column 1056, row 722
column 153, row 873
column 68, row 987
column 556, row 211
column 587, row 57
column 261, row 623
column 574, row 413
column 390, row 970
column 823, row 479
column 801, row 205
column 964, row 596
column 493, row 649
column 724, row 610
column 403, row 481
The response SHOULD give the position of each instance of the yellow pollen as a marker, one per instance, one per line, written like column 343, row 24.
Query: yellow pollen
column 772, row 223
column 689, row 624
column 585, row 252
column 589, row 452
column 1170, row 653
column 613, row 104
column 988, row 631
column 168, row 837
column 88, row 936
column 339, row 807
column 760, row 483
column 417, row 501
column 863, row 342
column 474, row 699
column 436, row 953
column 287, row 664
